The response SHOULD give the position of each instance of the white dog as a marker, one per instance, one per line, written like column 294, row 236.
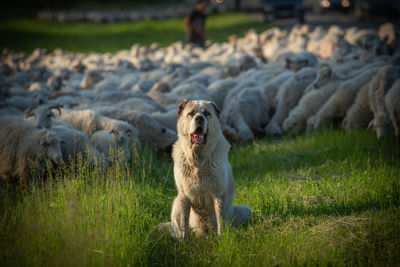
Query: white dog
column 203, row 175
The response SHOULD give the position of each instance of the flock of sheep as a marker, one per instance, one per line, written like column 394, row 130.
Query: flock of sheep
column 57, row 105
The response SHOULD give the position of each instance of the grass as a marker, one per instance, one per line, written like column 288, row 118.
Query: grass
column 27, row 34
column 328, row 198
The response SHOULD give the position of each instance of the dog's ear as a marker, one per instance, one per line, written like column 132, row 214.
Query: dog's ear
column 181, row 106
column 215, row 108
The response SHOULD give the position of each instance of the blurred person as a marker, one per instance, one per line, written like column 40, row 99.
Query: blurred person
column 195, row 24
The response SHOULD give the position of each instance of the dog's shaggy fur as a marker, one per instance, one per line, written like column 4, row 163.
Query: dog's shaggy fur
column 203, row 175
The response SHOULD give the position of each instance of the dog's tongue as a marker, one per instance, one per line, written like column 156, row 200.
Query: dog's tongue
column 198, row 139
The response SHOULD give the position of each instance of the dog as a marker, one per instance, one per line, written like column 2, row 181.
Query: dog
column 203, row 175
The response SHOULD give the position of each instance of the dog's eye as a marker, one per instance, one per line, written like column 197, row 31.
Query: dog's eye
column 191, row 113
column 206, row 113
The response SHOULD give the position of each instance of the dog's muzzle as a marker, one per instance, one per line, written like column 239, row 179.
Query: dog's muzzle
column 199, row 137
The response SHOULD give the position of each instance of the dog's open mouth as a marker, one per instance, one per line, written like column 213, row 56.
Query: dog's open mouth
column 199, row 139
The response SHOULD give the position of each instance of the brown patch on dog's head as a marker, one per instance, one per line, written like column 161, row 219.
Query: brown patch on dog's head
column 217, row 111
column 181, row 107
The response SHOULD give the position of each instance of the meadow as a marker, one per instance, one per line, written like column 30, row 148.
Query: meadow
column 327, row 198
column 25, row 35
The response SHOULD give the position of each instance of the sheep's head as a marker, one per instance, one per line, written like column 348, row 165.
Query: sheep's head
column 52, row 146
column 125, row 133
column 154, row 132
column 292, row 125
column 273, row 129
column 44, row 115
column 297, row 64
column 324, row 75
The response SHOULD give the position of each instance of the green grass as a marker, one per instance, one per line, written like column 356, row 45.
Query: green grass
column 328, row 198
column 27, row 34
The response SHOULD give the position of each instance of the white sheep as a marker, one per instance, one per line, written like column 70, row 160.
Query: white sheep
column 308, row 105
column 42, row 116
column 326, row 74
column 24, row 149
column 380, row 85
column 219, row 89
column 151, row 132
column 90, row 78
column 113, row 147
column 296, row 62
column 287, row 98
column 270, row 89
column 392, row 104
column 341, row 100
column 359, row 114
column 88, row 121
column 168, row 119
column 245, row 114
column 75, row 143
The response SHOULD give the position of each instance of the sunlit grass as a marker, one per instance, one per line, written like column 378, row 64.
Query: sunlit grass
column 28, row 34
column 328, row 198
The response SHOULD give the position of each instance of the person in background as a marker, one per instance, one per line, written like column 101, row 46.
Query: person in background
column 195, row 24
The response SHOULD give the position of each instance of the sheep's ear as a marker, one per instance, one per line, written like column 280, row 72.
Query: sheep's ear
column 114, row 131
column 181, row 106
column 215, row 108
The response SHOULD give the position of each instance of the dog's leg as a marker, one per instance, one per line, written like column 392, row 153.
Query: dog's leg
column 180, row 216
column 219, row 206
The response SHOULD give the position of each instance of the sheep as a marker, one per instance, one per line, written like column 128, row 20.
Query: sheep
column 387, row 33
column 359, row 114
column 341, row 100
column 151, row 132
column 219, row 89
column 168, row 119
column 288, row 96
column 270, row 89
column 381, row 83
column 117, row 96
column 308, row 105
column 326, row 74
column 392, row 104
column 245, row 114
column 91, row 78
column 75, row 143
column 300, row 60
column 192, row 91
column 42, row 116
column 22, row 146
column 88, row 121
column 108, row 143
column 141, row 104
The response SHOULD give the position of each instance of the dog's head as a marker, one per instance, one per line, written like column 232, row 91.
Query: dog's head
column 198, row 121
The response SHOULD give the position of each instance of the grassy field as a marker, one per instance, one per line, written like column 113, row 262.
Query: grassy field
column 328, row 198
column 28, row 34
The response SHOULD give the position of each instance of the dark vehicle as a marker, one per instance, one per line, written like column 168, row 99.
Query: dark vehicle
column 324, row 5
column 274, row 9
column 364, row 9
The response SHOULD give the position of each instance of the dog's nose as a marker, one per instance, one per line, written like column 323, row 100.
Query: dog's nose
column 199, row 119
